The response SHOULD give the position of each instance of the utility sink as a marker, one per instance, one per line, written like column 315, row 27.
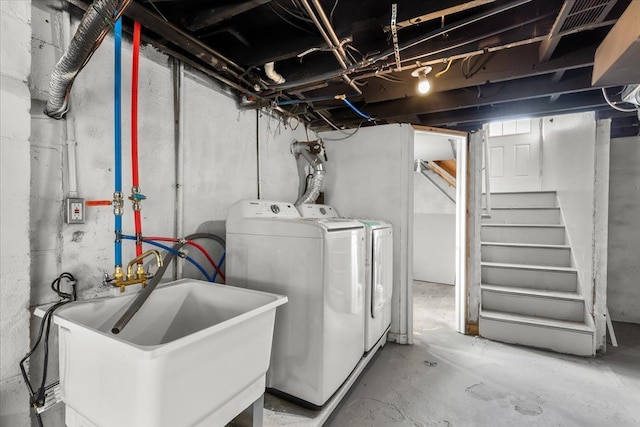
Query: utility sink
column 195, row 354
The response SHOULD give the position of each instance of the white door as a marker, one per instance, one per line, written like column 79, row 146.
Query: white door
column 514, row 156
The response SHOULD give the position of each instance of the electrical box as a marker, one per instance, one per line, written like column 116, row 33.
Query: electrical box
column 74, row 211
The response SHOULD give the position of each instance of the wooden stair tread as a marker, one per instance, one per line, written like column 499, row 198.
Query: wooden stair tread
column 525, row 225
column 524, row 291
column 536, row 321
column 526, row 245
column 528, row 267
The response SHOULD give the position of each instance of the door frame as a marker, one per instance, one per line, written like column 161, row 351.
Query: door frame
column 463, row 240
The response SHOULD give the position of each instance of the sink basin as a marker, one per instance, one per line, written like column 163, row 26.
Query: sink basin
column 196, row 354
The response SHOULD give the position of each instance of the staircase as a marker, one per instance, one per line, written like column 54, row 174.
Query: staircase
column 529, row 288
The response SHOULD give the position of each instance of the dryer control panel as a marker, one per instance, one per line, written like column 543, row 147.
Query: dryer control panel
column 263, row 209
column 317, row 211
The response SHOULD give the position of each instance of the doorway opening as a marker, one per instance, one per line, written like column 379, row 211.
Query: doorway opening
column 439, row 230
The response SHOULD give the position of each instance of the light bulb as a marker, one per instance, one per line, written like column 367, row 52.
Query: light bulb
column 423, row 85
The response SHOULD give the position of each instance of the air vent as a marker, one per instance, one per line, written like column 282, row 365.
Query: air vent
column 586, row 12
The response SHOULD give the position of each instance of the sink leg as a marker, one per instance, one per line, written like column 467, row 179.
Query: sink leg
column 257, row 409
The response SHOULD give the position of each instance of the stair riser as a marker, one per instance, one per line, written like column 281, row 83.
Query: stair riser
column 523, row 255
column 523, row 216
column 533, row 305
column 520, row 200
column 535, row 235
column 537, row 279
column 560, row 340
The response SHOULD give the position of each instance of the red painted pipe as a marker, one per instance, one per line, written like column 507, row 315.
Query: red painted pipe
column 134, row 131
column 195, row 245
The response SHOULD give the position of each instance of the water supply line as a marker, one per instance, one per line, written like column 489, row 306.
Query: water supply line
column 145, row 292
column 136, row 195
column 95, row 25
column 310, row 151
column 118, row 197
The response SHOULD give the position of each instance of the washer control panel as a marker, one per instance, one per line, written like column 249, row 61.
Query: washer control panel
column 317, row 211
column 263, row 209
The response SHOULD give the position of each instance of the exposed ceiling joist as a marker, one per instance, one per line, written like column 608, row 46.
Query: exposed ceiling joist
column 444, row 8
column 490, row 94
column 212, row 16
column 508, row 64
column 529, row 108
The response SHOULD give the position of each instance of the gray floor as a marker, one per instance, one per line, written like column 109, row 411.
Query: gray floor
column 448, row 379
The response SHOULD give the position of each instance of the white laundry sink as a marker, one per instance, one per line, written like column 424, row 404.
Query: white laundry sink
column 196, row 354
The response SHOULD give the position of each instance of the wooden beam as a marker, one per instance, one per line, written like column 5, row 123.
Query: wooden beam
column 489, row 94
column 507, row 64
column 212, row 16
column 459, row 6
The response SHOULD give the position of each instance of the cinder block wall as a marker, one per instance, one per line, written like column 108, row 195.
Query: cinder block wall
column 223, row 145
column 15, row 65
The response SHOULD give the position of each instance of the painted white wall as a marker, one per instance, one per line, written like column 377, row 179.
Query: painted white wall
column 370, row 175
column 279, row 179
column 434, row 233
column 15, row 65
column 623, row 296
column 221, row 152
column 432, row 146
column 568, row 159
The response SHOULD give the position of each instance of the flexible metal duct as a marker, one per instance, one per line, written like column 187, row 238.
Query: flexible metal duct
column 310, row 151
column 95, row 24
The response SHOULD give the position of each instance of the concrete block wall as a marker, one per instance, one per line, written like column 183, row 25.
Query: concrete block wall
column 15, row 65
column 221, row 143
column 623, row 296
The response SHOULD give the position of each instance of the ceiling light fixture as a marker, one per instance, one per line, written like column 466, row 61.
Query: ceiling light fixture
column 423, row 83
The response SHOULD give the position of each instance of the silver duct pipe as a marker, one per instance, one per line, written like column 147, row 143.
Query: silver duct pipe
column 94, row 26
column 310, row 151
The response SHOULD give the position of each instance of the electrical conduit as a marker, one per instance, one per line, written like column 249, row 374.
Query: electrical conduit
column 136, row 195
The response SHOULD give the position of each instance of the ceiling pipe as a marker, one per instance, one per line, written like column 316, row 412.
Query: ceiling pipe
column 431, row 35
column 332, row 41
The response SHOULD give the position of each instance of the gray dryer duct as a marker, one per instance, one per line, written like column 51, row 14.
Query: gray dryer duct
column 311, row 151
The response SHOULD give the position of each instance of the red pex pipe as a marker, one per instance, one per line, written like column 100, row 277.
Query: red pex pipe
column 134, row 131
column 195, row 245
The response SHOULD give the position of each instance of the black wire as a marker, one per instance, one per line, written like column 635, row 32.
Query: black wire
column 38, row 397
column 287, row 21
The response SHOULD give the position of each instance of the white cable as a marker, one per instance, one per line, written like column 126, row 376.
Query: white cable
column 612, row 104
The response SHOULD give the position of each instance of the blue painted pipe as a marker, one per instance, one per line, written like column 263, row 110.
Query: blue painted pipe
column 173, row 251
column 215, row 274
column 118, row 133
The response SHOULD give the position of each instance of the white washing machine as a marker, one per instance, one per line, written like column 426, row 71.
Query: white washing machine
column 378, row 270
column 318, row 265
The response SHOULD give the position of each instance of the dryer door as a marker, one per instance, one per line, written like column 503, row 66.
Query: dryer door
column 382, row 270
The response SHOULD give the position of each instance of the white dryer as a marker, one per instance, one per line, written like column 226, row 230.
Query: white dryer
column 318, row 265
column 378, row 270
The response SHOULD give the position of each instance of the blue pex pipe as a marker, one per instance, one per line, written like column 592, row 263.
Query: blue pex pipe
column 353, row 107
column 224, row 254
column 173, row 251
column 117, row 83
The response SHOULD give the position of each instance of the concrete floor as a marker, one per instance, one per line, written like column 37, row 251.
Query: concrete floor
column 448, row 379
